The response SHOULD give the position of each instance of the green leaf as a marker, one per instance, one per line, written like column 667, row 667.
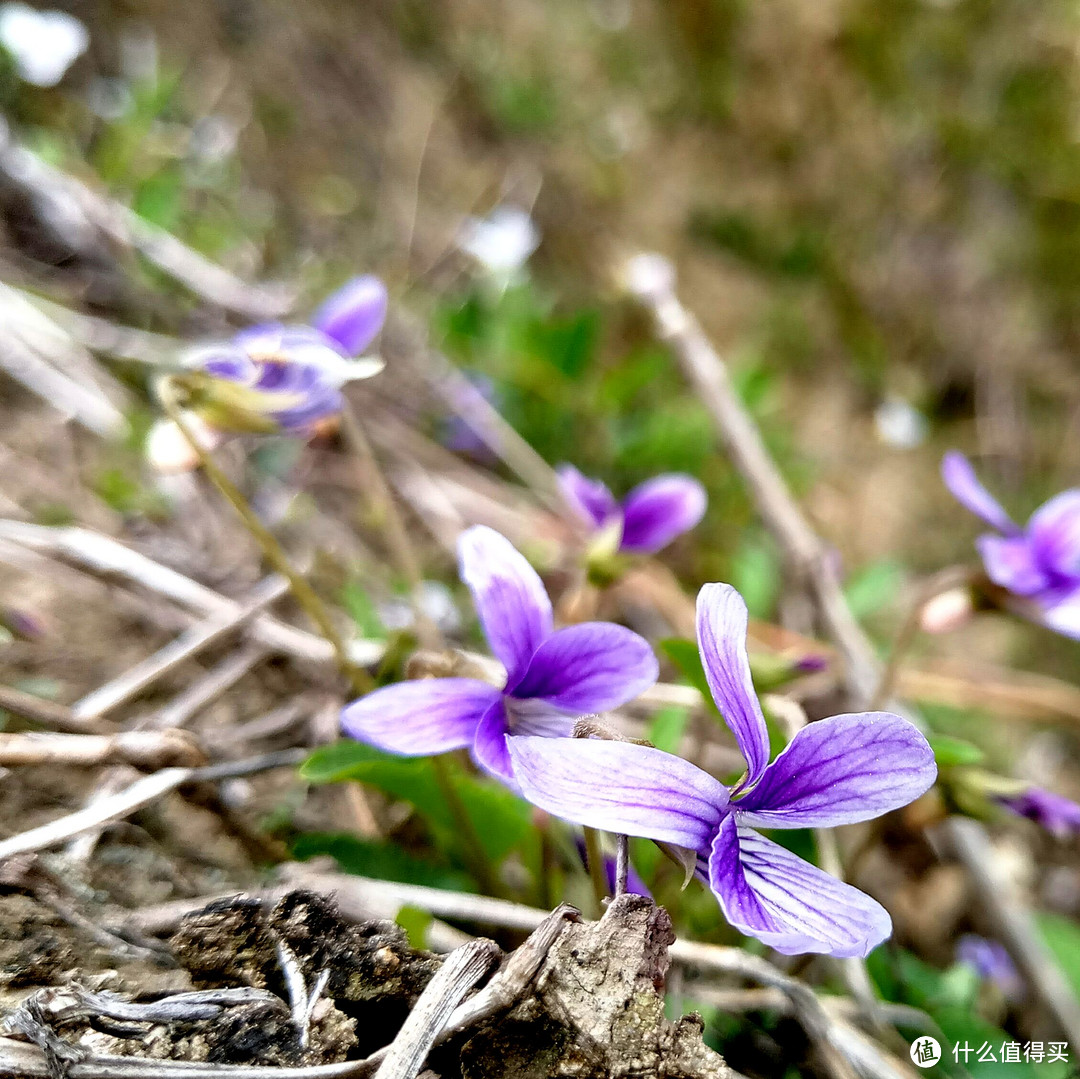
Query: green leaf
column 1062, row 936
column 358, row 603
column 501, row 820
column 666, row 728
column 416, row 923
column 380, row 859
column 755, row 572
column 873, row 587
column 684, row 654
column 952, row 752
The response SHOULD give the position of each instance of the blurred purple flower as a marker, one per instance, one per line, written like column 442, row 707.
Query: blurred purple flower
column 22, row 624
column 295, row 372
column 458, row 434
column 552, row 677
column 991, row 962
column 841, row 770
column 1057, row 814
column 651, row 515
column 1038, row 564
column 634, row 884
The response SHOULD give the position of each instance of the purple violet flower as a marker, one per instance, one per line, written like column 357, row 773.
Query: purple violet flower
column 1058, row 815
column 991, row 962
column 841, row 770
column 652, row 514
column 552, row 676
column 294, row 373
column 1038, row 564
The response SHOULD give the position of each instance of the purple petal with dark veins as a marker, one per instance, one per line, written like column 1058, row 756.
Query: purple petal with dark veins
column 590, row 499
column 658, row 510
column 620, row 787
column 489, row 746
column 590, row 667
column 417, row 718
column 721, row 633
column 354, row 315
column 961, row 480
column 510, row 599
column 1054, row 533
column 769, row 893
column 839, row 771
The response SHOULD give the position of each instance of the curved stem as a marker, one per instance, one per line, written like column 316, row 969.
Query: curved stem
column 275, row 554
column 909, row 629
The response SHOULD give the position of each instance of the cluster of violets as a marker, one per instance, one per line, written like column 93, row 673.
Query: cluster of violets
column 276, row 378
column 837, row 771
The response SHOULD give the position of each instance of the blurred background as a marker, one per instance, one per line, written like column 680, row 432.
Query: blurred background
column 873, row 207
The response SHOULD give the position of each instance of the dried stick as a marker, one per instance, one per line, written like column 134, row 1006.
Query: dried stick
column 192, row 641
column 460, row 971
column 107, row 556
column 653, row 284
column 206, row 688
column 82, row 210
column 140, row 793
column 47, row 713
column 143, row 749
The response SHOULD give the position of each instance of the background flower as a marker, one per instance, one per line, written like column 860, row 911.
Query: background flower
column 652, row 514
column 1039, row 564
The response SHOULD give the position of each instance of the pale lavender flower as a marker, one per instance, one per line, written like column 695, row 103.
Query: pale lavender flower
column 991, row 962
column 552, row 676
column 837, row 771
column 1054, row 812
column 295, row 372
column 651, row 515
column 1038, row 564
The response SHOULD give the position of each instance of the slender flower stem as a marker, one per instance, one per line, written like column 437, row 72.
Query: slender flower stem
column 622, row 864
column 909, row 628
column 479, row 865
column 275, row 554
column 397, row 535
column 596, row 866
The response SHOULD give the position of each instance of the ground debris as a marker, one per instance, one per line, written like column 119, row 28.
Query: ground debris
column 597, row 1011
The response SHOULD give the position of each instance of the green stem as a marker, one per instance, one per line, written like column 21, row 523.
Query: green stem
column 596, row 867
column 272, row 549
column 479, row 865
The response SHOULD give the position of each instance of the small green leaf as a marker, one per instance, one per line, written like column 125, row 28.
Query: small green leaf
column 667, row 727
column 873, row 587
column 684, row 654
column 380, row 859
column 416, row 923
column 953, row 752
column 361, row 609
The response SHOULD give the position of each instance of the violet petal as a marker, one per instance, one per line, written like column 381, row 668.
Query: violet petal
column 433, row 715
column 510, row 599
column 590, row 499
column 620, row 787
column 841, row 770
column 961, row 480
column 489, row 746
column 721, row 632
column 658, row 510
column 590, row 667
column 1010, row 562
column 354, row 315
column 1054, row 531
column 769, row 893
